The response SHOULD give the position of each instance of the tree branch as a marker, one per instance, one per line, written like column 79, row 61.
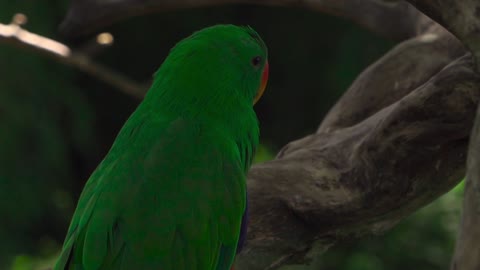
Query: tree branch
column 364, row 178
column 393, row 19
column 15, row 35
column 462, row 18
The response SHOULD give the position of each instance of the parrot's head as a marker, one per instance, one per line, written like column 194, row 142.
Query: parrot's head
column 222, row 65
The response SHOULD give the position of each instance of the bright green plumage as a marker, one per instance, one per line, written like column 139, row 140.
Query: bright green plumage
column 171, row 192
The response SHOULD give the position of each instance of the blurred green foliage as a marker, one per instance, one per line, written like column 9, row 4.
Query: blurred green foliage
column 56, row 123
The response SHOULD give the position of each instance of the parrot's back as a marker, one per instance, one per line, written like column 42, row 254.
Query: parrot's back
column 171, row 192
column 173, row 203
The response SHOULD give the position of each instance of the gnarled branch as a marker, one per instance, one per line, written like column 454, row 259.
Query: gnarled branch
column 359, row 175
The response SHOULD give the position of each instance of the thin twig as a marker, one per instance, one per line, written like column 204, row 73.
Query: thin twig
column 15, row 35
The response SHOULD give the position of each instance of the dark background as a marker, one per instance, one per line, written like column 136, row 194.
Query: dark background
column 57, row 123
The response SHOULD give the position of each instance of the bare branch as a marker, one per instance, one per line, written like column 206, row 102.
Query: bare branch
column 394, row 19
column 15, row 35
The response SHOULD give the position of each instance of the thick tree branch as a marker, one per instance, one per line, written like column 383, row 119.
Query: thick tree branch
column 462, row 18
column 15, row 35
column 363, row 179
column 393, row 19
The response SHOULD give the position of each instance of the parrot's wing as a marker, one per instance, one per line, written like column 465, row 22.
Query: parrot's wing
column 172, row 200
column 227, row 252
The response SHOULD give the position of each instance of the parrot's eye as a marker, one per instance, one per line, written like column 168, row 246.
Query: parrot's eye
column 256, row 61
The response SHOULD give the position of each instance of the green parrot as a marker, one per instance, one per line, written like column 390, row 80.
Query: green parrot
column 171, row 192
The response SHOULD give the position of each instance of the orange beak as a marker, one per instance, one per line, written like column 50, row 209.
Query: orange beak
column 263, row 83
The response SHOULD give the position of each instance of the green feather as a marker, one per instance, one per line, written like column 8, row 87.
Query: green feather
column 171, row 191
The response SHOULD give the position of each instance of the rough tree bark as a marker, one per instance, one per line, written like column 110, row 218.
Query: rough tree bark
column 394, row 142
